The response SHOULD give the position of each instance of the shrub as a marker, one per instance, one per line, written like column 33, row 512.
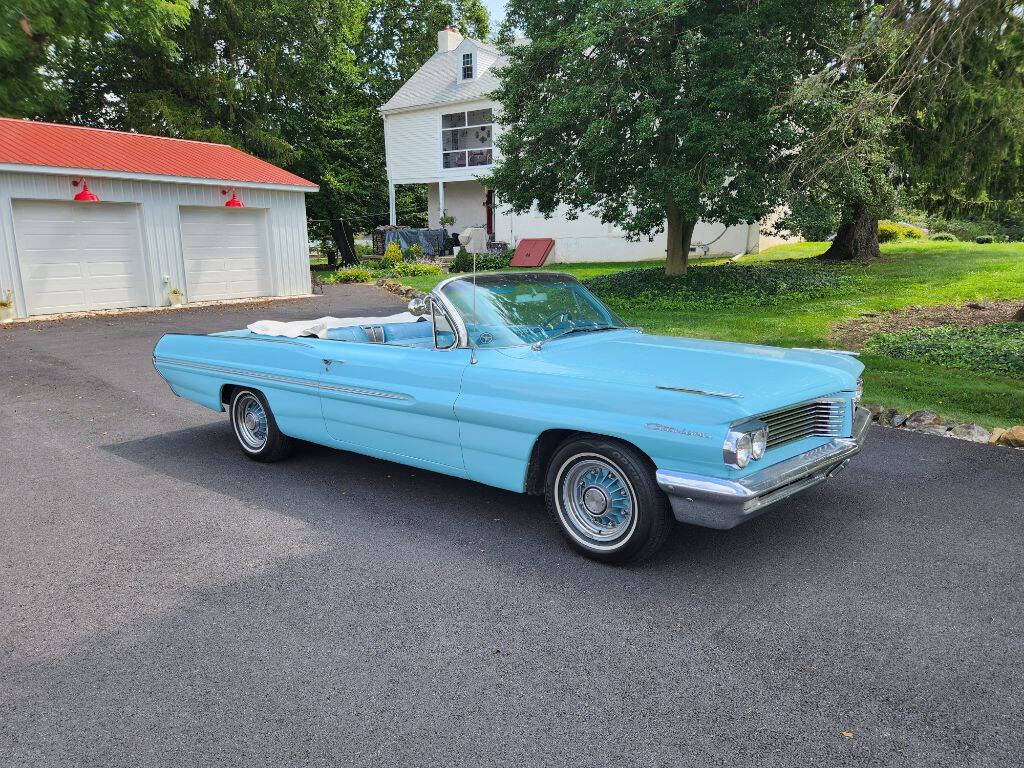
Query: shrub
column 888, row 231
column 392, row 256
column 947, row 236
column 413, row 269
column 414, row 253
column 996, row 348
column 648, row 288
column 984, row 239
column 7, row 300
column 347, row 275
column 485, row 262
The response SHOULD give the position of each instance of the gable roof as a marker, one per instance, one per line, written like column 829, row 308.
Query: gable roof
column 53, row 145
column 436, row 81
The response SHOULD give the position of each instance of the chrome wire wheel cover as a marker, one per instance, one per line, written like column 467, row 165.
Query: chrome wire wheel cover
column 250, row 420
column 596, row 500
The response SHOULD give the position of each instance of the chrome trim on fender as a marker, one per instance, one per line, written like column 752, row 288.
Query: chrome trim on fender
column 698, row 391
column 722, row 503
column 311, row 384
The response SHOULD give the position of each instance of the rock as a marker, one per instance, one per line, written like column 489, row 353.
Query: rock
column 887, row 416
column 973, row 432
column 975, row 305
column 380, row 281
column 919, row 419
column 1013, row 437
column 933, row 429
column 898, row 419
column 997, row 433
column 875, row 410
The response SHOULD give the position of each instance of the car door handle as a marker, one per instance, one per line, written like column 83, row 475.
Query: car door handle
column 328, row 363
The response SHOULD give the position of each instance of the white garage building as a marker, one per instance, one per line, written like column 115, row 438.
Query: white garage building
column 95, row 219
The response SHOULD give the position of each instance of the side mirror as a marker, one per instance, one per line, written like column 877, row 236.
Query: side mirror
column 419, row 306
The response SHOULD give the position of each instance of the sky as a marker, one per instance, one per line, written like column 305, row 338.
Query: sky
column 497, row 11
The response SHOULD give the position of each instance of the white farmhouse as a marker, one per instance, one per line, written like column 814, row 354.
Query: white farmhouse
column 439, row 130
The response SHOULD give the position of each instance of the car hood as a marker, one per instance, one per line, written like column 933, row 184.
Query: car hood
column 758, row 377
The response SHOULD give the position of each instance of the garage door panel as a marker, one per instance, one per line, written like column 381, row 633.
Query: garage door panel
column 225, row 253
column 79, row 256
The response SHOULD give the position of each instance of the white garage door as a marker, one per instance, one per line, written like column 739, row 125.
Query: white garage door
column 225, row 253
column 79, row 256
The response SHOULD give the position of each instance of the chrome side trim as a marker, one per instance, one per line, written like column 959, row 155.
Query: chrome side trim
column 308, row 383
column 723, row 503
column 848, row 352
column 698, row 391
column 367, row 392
column 257, row 337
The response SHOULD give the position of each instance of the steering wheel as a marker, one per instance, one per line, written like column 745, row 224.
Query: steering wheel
column 561, row 316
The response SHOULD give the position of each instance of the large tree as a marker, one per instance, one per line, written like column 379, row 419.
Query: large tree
column 923, row 100
column 35, row 33
column 655, row 114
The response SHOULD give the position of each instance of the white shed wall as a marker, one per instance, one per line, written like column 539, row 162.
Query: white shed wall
column 287, row 237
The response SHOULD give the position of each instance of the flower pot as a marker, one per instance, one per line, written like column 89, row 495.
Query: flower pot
column 175, row 299
column 6, row 314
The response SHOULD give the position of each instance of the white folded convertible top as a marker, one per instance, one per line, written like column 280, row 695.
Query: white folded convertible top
column 320, row 326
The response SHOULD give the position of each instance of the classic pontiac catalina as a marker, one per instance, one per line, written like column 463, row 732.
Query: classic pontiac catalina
column 526, row 381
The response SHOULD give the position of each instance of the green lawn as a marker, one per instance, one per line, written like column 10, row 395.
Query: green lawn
column 911, row 273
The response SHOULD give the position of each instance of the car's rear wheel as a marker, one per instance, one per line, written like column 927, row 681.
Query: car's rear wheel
column 256, row 428
column 603, row 495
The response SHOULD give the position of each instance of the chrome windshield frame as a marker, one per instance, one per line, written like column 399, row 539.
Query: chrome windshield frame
column 437, row 292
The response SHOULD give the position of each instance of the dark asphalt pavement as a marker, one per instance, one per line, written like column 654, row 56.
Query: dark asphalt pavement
column 166, row 602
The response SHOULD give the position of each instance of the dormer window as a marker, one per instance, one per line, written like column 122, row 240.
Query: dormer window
column 467, row 66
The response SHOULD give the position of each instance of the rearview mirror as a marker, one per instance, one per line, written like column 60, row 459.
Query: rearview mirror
column 419, row 306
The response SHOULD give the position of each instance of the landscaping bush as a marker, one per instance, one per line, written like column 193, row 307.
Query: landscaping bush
column 648, row 288
column 410, row 269
column 347, row 275
column 888, row 231
column 392, row 256
column 484, row 262
column 947, row 236
column 984, row 239
column 997, row 348
column 415, row 253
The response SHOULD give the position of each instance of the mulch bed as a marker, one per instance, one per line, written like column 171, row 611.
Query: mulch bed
column 851, row 334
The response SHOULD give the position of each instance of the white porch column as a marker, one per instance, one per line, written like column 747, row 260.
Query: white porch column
column 392, row 213
column 440, row 198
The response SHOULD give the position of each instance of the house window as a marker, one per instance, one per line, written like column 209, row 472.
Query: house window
column 467, row 139
column 467, row 66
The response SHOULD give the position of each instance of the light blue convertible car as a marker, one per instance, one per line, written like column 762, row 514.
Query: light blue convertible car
column 526, row 381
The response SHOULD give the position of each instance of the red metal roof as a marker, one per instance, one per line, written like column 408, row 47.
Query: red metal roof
column 26, row 142
column 532, row 252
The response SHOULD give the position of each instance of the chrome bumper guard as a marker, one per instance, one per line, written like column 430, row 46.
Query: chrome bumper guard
column 716, row 503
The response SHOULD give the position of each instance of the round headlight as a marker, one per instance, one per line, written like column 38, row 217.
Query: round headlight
column 758, row 442
column 744, row 449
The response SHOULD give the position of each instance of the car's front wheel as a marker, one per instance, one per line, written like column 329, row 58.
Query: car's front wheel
column 606, row 501
column 256, row 428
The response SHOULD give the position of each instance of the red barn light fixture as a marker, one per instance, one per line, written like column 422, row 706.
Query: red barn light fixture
column 86, row 195
column 234, row 202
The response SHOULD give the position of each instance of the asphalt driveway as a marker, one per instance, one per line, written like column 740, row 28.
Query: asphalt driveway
column 166, row 602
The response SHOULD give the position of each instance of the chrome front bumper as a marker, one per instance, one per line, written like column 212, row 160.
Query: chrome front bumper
column 717, row 503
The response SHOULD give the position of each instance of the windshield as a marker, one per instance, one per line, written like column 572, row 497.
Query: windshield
column 511, row 309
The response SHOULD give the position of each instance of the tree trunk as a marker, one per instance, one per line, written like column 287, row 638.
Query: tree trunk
column 679, row 233
column 857, row 238
column 345, row 242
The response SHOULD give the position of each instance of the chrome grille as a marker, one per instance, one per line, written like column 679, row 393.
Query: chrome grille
column 822, row 418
